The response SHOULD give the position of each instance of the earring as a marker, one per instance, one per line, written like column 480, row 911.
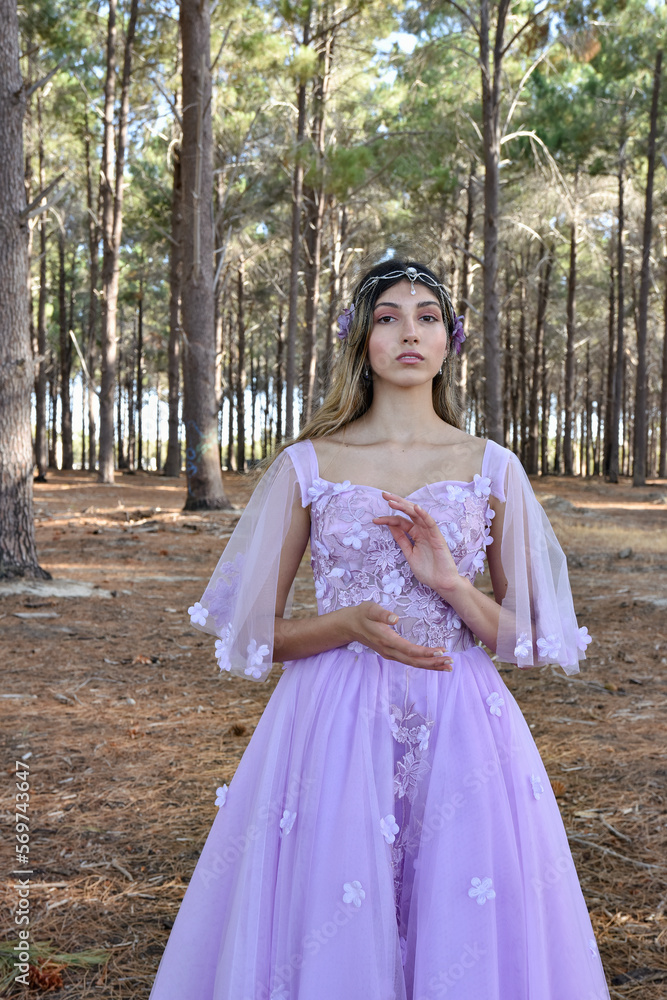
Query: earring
column 366, row 374
column 442, row 366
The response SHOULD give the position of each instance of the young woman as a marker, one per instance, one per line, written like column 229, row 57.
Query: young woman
column 390, row 833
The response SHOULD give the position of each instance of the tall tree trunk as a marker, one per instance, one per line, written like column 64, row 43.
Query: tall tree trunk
column 491, row 93
column 280, row 349
column 546, row 414
column 569, row 352
column 231, row 464
column 52, row 379
column 240, row 372
column 617, row 393
column 609, row 385
column 521, row 372
column 18, row 554
column 172, row 465
column 65, row 362
column 639, row 463
column 140, row 377
column 508, row 375
column 315, row 200
column 532, row 456
column 200, row 413
column 41, row 448
column 91, row 332
column 295, row 247
column 559, row 429
column 112, row 226
column 464, row 298
column 662, row 461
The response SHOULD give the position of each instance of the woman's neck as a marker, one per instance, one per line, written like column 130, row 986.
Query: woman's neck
column 400, row 414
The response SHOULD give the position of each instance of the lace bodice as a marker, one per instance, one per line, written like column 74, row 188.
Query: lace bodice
column 355, row 560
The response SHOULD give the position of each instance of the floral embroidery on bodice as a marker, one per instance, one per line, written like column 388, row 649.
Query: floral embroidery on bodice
column 355, row 560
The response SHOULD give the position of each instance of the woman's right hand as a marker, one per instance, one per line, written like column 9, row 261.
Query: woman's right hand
column 371, row 624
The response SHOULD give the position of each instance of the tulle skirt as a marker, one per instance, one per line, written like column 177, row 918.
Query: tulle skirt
column 390, row 834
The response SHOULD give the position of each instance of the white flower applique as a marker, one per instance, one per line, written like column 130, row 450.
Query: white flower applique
column 523, row 646
column 222, row 647
column 255, row 659
column 494, row 701
column 393, row 583
column 389, row 828
column 198, row 614
column 583, row 638
column 341, row 487
column 549, row 647
column 286, row 822
column 355, row 536
column 318, row 489
column 482, row 486
column 353, row 892
column 481, row 889
column 537, row 786
column 455, row 493
column 356, row 647
column 221, row 795
column 478, row 561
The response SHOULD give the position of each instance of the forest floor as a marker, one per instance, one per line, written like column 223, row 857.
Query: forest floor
column 116, row 705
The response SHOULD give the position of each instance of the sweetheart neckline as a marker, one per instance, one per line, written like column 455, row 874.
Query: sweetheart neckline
column 377, row 489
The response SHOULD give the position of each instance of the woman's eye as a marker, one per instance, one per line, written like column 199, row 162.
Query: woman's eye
column 429, row 318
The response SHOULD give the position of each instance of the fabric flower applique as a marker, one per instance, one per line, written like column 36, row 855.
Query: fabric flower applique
column 478, row 561
column 482, row 485
column 286, row 822
column 523, row 646
column 356, row 647
column 221, row 795
column 455, row 493
column 393, row 583
column 320, row 588
column 389, row 828
column 355, row 536
column 549, row 647
column 494, row 701
column 537, row 786
column 255, row 659
column 481, row 889
column 198, row 614
column 452, row 534
column 341, row 487
column 318, row 489
column 583, row 638
column 353, row 892
column 423, row 734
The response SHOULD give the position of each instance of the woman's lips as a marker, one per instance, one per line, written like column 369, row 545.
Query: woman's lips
column 411, row 358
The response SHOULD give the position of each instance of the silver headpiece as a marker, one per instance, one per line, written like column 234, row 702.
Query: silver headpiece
column 412, row 275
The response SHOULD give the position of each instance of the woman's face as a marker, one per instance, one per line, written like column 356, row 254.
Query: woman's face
column 408, row 340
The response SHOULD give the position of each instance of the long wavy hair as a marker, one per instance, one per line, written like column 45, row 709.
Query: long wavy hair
column 351, row 391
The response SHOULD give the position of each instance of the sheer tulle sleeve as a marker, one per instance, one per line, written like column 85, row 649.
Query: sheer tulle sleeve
column 537, row 620
column 239, row 603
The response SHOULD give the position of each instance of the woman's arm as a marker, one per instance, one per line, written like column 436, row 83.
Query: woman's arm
column 368, row 623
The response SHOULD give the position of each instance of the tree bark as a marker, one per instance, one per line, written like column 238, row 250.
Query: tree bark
column 200, row 414
column 140, row 377
column 315, row 199
column 112, row 226
column 532, row 456
column 491, row 93
column 639, row 461
column 172, row 465
column 295, row 248
column 546, row 414
column 662, row 461
column 568, row 460
column 609, row 385
column 91, row 332
column 279, row 390
column 617, row 389
column 18, row 554
column 65, row 346
column 41, row 447
column 240, row 372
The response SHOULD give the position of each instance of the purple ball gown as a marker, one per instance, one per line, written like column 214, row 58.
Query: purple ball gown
column 390, row 833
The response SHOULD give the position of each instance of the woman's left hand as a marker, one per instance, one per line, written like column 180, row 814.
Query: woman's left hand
column 421, row 542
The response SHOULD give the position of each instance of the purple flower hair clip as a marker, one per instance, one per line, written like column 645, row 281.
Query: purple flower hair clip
column 345, row 322
column 458, row 336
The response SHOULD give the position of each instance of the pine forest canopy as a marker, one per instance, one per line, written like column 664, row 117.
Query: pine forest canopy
column 198, row 183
